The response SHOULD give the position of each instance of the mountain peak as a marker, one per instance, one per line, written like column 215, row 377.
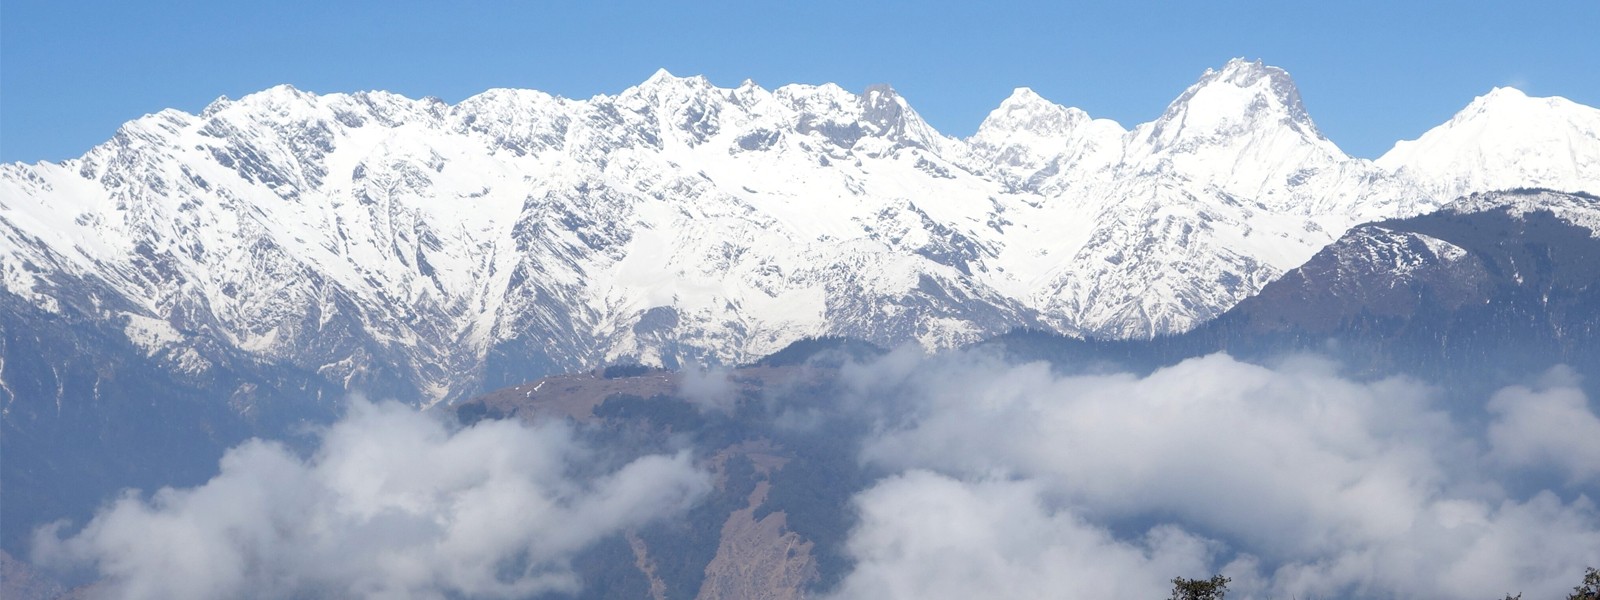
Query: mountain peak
column 1266, row 86
column 1509, row 100
column 880, row 95
column 280, row 91
column 663, row 90
column 661, row 75
column 1506, row 139
column 279, row 96
column 663, row 78
column 1496, row 99
column 222, row 102
column 1024, row 97
column 1026, row 110
column 1241, row 96
column 1023, row 93
column 1248, row 74
column 279, row 102
column 1241, row 71
column 1506, row 92
column 891, row 117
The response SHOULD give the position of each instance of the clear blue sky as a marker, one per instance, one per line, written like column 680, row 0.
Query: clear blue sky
column 1369, row 72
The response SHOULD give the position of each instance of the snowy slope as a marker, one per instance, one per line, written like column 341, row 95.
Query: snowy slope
column 1506, row 139
column 1186, row 215
column 445, row 248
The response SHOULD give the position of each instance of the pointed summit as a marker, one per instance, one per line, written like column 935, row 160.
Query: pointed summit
column 1506, row 92
column 279, row 95
column 661, row 75
column 1024, row 101
column 1025, row 110
column 882, row 106
column 1246, row 73
column 1242, row 95
column 889, row 116
column 663, row 79
column 1034, row 144
column 1247, row 88
column 216, row 106
column 280, row 103
column 1241, row 128
column 1023, row 96
column 663, row 88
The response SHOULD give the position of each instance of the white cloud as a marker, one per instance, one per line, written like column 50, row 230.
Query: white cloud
column 1550, row 424
column 395, row 504
column 1318, row 484
column 1007, row 481
column 711, row 389
column 928, row 536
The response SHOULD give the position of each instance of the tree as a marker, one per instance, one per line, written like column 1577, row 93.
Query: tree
column 1590, row 590
column 1200, row 589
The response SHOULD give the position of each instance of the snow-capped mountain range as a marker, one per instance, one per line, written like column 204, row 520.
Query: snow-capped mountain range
column 457, row 247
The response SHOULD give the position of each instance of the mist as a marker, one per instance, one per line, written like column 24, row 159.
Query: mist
column 395, row 503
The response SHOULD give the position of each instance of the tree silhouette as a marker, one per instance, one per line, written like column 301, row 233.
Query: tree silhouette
column 1215, row 588
column 1590, row 590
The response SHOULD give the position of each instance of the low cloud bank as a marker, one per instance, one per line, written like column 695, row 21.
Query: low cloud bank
column 394, row 504
column 1001, row 480
column 1548, row 425
column 925, row 535
column 1293, row 479
column 709, row 389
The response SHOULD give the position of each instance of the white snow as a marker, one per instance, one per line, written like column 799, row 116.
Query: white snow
column 758, row 217
column 1506, row 139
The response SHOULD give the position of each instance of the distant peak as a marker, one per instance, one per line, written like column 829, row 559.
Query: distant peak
column 881, row 105
column 216, row 106
column 1026, row 111
column 880, row 93
column 283, row 90
column 888, row 115
column 664, row 87
column 277, row 95
column 1243, row 89
column 1505, row 92
column 1022, row 108
column 662, row 79
column 661, row 75
column 1241, row 69
column 1509, row 100
column 1249, row 73
column 1023, row 96
column 1499, row 96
